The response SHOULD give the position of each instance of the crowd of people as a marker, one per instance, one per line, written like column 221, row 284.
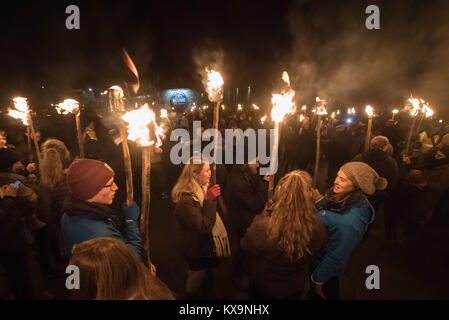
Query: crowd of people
column 291, row 243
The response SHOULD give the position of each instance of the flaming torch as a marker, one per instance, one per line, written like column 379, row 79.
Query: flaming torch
column 117, row 106
column 370, row 112
column 23, row 113
column 214, row 87
column 282, row 104
column 73, row 106
column 139, row 122
column 395, row 112
column 414, row 112
column 321, row 110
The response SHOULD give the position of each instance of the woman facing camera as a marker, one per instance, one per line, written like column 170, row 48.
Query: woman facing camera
column 202, row 235
column 346, row 213
column 110, row 270
column 283, row 240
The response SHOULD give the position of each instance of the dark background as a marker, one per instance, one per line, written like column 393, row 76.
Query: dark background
column 324, row 46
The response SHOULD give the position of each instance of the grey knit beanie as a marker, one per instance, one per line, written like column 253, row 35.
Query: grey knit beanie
column 364, row 177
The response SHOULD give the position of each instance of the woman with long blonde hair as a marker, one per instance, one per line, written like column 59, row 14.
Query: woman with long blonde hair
column 52, row 192
column 201, row 233
column 283, row 240
column 110, row 270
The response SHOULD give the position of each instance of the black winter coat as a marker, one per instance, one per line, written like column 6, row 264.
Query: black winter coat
column 194, row 225
column 247, row 196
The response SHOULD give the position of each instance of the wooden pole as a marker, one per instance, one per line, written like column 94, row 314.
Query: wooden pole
column 410, row 134
column 277, row 130
column 368, row 133
column 128, row 168
column 79, row 135
column 215, row 126
column 145, row 207
column 317, row 154
column 29, row 143
column 36, row 144
column 117, row 106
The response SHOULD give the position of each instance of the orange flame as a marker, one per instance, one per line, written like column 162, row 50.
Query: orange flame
column 282, row 103
column 138, row 129
column 68, row 106
column 426, row 109
column 286, row 78
column 214, row 85
column 22, row 111
column 132, row 67
column 369, row 111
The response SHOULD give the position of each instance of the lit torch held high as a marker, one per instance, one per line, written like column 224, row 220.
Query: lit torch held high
column 370, row 112
column 117, row 107
column 282, row 104
column 23, row 113
column 214, row 87
column 72, row 106
column 320, row 111
column 414, row 112
column 140, row 121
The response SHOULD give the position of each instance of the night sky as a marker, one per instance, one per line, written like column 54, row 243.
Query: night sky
column 324, row 46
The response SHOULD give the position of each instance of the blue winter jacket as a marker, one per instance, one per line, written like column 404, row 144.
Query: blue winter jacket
column 345, row 229
column 83, row 221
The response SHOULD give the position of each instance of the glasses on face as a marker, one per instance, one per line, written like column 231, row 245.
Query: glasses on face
column 109, row 185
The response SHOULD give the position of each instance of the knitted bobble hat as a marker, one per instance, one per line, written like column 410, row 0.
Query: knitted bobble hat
column 364, row 177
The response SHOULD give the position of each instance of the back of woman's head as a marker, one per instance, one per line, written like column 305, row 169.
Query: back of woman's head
column 110, row 270
column 293, row 219
column 53, row 154
column 186, row 182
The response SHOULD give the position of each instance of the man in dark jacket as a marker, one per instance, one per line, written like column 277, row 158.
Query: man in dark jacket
column 385, row 166
column 87, row 214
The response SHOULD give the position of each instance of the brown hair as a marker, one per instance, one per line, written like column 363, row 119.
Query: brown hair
column 53, row 154
column 293, row 215
column 110, row 270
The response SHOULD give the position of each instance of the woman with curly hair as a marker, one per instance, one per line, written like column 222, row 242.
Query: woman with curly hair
column 283, row 239
column 110, row 270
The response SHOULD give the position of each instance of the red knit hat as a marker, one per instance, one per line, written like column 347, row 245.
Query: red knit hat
column 86, row 177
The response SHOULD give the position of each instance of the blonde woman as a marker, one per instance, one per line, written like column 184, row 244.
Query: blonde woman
column 283, row 240
column 202, row 235
column 52, row 193
column 110, row 270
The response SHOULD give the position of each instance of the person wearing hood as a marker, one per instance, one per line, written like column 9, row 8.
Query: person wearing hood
column 87, row 213
column 377, row 157
column 346, row 213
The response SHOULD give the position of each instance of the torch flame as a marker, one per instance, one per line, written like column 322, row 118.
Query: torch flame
column 321, row 110
column 239, row 107
column 338, row 112
column 304, row 108
column 214, row 85
column 282, row 103
column 256, row 107
column 286, row 78
column 118, row 91
column 164, row 113
column 426, row 109
column 138, row 129
column 369, row 111
column 68, row 106
column 395, row 111
column 416, row 108
column 301, row 118
column 22, row 111
column 333, row 115
column 132, row 67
